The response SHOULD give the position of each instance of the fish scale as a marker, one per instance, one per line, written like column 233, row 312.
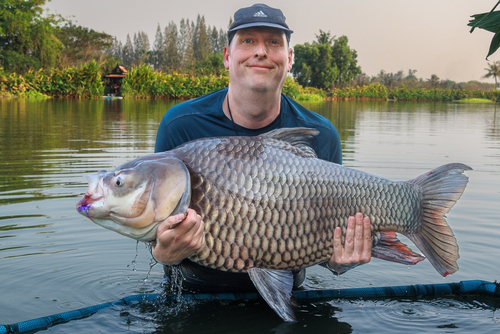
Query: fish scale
column 269, row 206
column 272, row 181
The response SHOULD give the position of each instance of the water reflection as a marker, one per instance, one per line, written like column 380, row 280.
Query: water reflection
column 46, row 148
column 493, row 129
column 43, row 143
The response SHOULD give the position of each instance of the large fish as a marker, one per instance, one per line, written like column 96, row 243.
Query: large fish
column 271, row 206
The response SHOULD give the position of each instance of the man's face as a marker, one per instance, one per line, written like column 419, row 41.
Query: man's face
column 258, row 59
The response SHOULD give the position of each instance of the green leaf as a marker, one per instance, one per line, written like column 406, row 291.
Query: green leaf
column 486, row 21
column 495, row 44
column 482, row 17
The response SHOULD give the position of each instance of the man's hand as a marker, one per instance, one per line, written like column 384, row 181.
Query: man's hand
column 178, row 237
column 357, row 245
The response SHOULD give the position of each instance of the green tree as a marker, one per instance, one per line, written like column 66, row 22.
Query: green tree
column 202, row 46
column 324, row 38
column 222, row 40
column 214, row 39
column 128, row 53
column 391, row 80
column 82, row 45
column 195, row 49
column 313, row 65
column 346, row 61
column 411, row 79
column 186, row 52
column 27, row 39
column 115, row 49
column 141, row 48
column 158, row 58
column 433, row 81
column 172, row 59
column 325, row 62
column 493, row 71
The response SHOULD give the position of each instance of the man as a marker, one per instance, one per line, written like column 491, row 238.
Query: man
column 258, row 57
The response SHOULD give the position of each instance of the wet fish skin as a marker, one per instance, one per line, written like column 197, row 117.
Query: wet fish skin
column 270, row 206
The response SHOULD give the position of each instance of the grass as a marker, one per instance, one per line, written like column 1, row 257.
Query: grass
column 474, row 100
column 309, row 97
column 31, row 95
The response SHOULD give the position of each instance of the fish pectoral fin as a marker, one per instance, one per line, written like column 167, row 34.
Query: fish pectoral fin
column 275, row 286
column 388, row 247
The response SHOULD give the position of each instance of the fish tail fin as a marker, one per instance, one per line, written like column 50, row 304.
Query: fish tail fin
column 442, row 188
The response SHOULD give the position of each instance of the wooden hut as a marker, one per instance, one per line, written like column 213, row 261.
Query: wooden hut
column 113, row 81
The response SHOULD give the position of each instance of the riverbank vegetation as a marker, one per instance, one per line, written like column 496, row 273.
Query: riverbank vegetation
column 47, row 55
column 72, row 82
column 143, row 82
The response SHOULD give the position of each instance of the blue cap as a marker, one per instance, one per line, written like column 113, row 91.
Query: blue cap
column 259, row 15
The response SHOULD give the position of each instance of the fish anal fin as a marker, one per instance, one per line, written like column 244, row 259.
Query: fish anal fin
column 275, row 286
column 388, row 247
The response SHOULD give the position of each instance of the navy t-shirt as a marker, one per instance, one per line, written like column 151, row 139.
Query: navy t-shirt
column 203, row 117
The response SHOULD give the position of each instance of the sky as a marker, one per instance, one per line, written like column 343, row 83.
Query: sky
column 430, row 36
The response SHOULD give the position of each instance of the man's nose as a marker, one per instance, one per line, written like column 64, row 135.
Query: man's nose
column 260, row 50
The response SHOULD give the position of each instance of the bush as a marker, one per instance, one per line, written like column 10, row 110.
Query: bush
column 32, row 95
column 291, row 88
column 72, row 82
column 309, row 97
column 440, row 94
column 143, row 82
column 374, row 91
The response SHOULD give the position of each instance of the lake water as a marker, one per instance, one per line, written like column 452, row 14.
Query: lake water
column 54, row 260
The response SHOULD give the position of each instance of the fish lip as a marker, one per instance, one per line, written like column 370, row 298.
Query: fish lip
column 83, row 208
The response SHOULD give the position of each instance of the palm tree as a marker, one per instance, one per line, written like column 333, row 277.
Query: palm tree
column 324, row 38
column 493, row 71
column 433, row 81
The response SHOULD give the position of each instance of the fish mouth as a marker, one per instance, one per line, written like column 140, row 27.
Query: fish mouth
column 94, row 194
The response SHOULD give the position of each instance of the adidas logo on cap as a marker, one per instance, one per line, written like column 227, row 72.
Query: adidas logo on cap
column 259, row 14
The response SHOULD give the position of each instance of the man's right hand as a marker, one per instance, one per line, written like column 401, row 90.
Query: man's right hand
column 178, row 237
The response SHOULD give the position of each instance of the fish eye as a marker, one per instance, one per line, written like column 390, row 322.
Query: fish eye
column 119, row 182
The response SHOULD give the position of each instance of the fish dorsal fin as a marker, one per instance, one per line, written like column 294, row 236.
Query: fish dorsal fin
column 275, row 286
column 298, row 137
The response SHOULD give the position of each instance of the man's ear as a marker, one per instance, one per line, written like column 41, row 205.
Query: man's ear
column 290, row 59
column 226, row 57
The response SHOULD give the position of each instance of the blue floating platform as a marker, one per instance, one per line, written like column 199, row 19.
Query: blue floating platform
column 463, row 288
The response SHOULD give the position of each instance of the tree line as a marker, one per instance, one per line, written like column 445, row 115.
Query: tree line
column 190, row 47
column 31, row 39
column 410, row 80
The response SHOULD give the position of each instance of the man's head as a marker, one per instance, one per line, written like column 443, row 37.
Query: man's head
column 258, row 56
column 258, row 15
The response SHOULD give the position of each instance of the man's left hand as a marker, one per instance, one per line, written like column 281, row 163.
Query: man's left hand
column 357, row 248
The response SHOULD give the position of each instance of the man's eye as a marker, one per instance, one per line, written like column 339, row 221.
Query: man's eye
column 246, row 41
